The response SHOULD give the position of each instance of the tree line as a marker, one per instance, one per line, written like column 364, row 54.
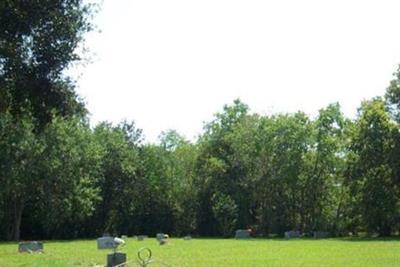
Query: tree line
column 62, row 178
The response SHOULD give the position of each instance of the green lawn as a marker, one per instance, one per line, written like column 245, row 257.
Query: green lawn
column 219, row 252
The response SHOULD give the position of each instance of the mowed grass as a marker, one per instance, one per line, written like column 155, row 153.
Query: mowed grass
column 218, row 252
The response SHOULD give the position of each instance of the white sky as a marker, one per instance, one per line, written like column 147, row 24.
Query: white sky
column 173, row 64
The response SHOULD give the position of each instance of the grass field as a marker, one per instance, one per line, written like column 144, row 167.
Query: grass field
column 218, row 252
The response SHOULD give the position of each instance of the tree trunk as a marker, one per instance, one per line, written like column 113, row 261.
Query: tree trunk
column 15, row 210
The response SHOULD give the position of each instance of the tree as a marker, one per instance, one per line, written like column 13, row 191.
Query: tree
column 225, row 212
column 290, row 142
column 118, row 180
column 217, row 169
column 392, row 95
column 373, row 178
column 171, row 139
column 323, row 173
column 20, row 150
column 38, row 41
column 180, row 157
column 69, row 170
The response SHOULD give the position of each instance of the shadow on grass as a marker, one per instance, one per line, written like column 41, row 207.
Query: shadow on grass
column 46, row 241
column 347, row 239
column 366, row 239
column 252, row 239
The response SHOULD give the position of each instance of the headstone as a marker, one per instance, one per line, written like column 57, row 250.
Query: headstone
column 160, row 236
column 188, row 237
column 30, row 246
column 140, row 237
column 239, row 234
column 106, row 242
column 124, row 236
column 116, row 258
column 320, row 234
column 292, row 234
column 119, row 242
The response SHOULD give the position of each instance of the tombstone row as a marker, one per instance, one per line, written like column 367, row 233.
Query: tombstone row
column 315, row 234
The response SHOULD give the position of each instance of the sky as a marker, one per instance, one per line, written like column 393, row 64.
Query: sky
column 169, row 64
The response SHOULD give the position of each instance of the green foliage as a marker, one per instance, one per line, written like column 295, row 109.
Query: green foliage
column 373, row 172
column 61, row 178
column 225, row 212
column 69, row 168
column 392, row 95
column 268, row 173
column 118, row 178
column 38, row 41
column 20, row 150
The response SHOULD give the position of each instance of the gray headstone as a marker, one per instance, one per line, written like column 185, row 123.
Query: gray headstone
column 292, row 234
column 30, row 246
column 106, row 242
column 320, row 234
column 114, row 259
column 242, row 233
column 140, row 237
column 160, row 236
column 188, row 237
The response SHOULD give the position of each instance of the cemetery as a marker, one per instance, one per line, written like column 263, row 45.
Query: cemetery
column 200, row 252
column 125, row 140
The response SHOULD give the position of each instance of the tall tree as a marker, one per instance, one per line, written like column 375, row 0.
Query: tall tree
column 118, row 181
column 217, row 169
column 373, row 176
column 323, row 173
column 19, row 158
column 38, row 41
column 392, row 95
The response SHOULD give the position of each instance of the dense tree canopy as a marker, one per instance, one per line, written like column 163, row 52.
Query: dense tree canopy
column 268, row 173
column 38, row 41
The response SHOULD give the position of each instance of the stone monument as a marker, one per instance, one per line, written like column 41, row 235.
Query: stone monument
column 243, row 233
column 108, row 242
column 30, row 246
column 160, row 236
column 292, row 234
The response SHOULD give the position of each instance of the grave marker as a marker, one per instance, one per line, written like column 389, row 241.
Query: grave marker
column 115, row 259
column 30, row 246
column 242, row 234
column 161, row 236
column 292, row 234
column 106, row 242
